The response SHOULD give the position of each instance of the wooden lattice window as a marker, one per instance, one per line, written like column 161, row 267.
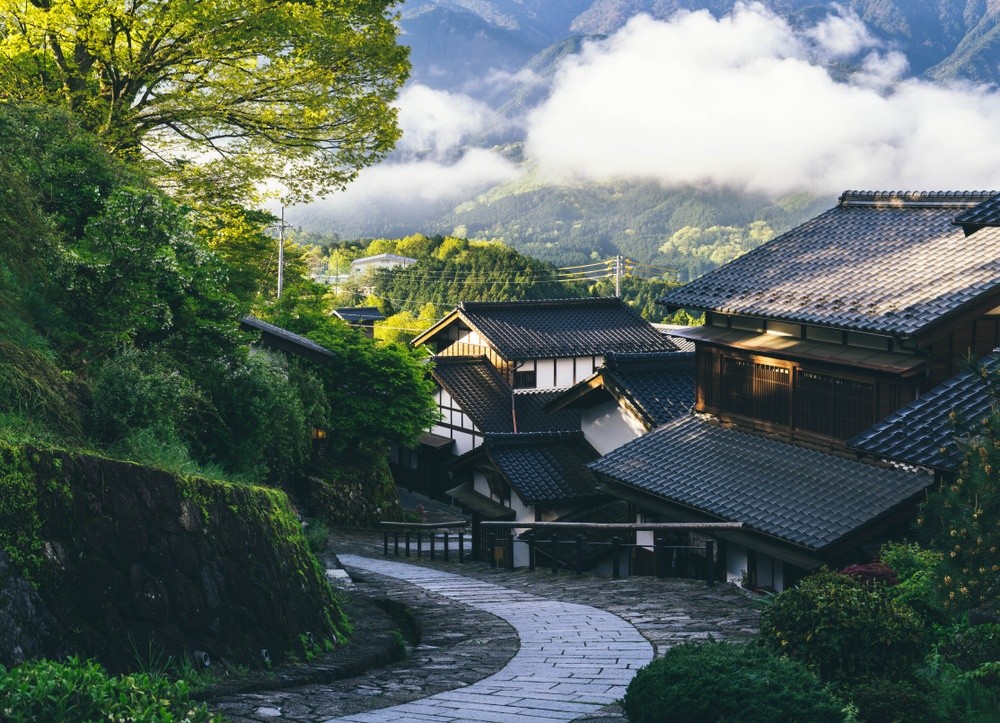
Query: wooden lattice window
column 833, row 406
column 756, row 390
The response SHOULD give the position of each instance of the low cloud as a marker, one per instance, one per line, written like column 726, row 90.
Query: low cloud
column 426, row 181
column 746, row 101
column 436, row 123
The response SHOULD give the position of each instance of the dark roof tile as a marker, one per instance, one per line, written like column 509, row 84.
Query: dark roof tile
column 545, row 468
column 880, row 262
column 661, row 385
column 485, row 396
column 923, row 432
column 799, row 495
column 563, row 327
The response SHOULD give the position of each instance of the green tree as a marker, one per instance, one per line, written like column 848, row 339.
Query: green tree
column 296, row 91
column 963, row 519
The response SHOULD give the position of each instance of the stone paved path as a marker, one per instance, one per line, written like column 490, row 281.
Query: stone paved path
column 462, row 645
column 573, row 660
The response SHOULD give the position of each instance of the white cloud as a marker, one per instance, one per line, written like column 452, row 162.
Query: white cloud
column 436, row 123
column 744, row 101
column 840, row 35
column 425, row 181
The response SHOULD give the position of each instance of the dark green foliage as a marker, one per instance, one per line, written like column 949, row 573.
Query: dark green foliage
column 842, row 628
column 82, row 691
column 453, row 270
column 884, row 700
column 919, row 579
column 969, row 648
column 701, row 683
column 962, row 517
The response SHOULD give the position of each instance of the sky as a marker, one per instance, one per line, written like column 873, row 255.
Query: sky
column 743, row 101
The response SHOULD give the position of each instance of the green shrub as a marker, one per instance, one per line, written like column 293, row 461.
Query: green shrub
column 881, row 700
column 970, row 649
column 82, row 691
column 727, row 682
column 919, row 580
column 317, row 532
column 843, row 628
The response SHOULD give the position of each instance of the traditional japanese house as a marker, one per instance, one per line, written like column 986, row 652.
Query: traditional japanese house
column 629, row 396
column 474, row 400
column 527, row 477
column 360, row 317
column 808, row 341
column 544, row 344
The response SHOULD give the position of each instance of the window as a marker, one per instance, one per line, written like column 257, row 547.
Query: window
column 833, row 406
column 525, row 379
column 756, row 390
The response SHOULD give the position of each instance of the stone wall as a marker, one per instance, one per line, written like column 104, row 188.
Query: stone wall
column 133, row 562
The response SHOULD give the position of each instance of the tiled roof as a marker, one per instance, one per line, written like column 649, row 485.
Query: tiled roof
column 670, row 331
column 485, row 396
column 285, row 340
column 358, row 314
column 661, row 385
column 562, row 327
column 986, row 213
column 923, row 432
column 792, row 493
column 880, row 262
column 545, row 468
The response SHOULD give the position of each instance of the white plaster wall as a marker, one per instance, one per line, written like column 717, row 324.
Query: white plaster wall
column 565, row 376
column 607, row 426
column 736, row 562
column 545, row 373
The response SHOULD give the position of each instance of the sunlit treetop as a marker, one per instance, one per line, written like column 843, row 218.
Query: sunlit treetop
column 219, row 94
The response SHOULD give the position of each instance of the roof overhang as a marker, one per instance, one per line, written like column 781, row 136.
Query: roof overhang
column 481, row 504
column 788, row 347
column 274, row 337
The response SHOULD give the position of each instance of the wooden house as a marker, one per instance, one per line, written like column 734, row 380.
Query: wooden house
column 809, row 341
column 543, row 344
column 629, row 396
column 360, row 317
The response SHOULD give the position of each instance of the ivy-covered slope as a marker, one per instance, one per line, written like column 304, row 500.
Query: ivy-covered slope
column 130, row 559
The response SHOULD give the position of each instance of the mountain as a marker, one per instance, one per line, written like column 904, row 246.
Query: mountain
column 508, row 54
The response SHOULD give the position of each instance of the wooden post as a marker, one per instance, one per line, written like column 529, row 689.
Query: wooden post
column 710, row 562
column 407, row 543
column 433, row 539
column 420, row 543
column 531, row 551
column 446, row 545
column 385, row 543
column 395, row 541
column 616, row 571
column 579, row 554
column 555, row 546
column 661, row 557
column 461, row 545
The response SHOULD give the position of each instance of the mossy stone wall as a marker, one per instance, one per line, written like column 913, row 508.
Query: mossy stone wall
column 131, row 560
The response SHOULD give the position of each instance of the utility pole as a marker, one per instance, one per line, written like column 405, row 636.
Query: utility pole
column 281, row 226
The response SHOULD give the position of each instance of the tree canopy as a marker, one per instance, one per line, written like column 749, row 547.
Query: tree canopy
column 229, row 92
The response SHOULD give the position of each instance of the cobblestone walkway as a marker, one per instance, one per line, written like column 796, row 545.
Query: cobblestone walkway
column 466, row 644
column 573, row 660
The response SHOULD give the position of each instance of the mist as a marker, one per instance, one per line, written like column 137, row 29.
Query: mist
column 747, row 102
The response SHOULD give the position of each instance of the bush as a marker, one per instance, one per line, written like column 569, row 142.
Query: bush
column 872, row 572
column 78, row 690
column 917, row 570
column 880, row 700
column 971, row 648
column 843, row 628
column 727, row 682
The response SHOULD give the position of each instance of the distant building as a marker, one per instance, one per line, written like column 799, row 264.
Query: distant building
column 381, row 261
column 361, row 317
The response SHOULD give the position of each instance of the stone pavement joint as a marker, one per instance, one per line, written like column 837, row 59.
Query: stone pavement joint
column 563, row 631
